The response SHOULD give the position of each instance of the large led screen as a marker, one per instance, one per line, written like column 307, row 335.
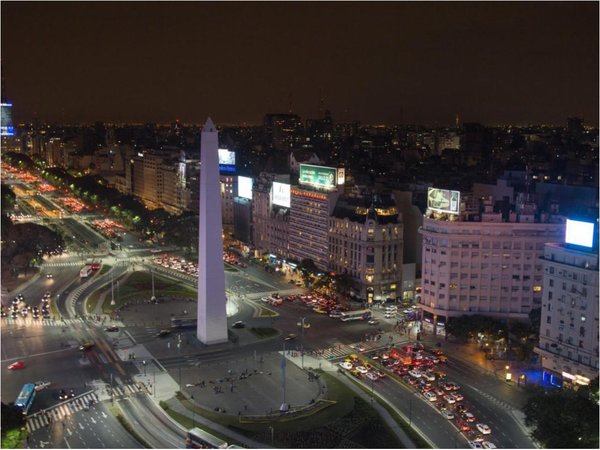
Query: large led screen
column 280, row 194
column 318, row 176
column 579, row 233
column 443, row 200
column 226, row 157
column 245, row 187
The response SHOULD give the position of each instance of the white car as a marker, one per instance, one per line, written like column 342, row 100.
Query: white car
column 39, row 385
column 390, row 315
column 414, row 373
column 475, row 444
column 449, row 399
column 430, row 396
column 488, row 444
column 447, row 414
column 483, row 428
column 428, row 376
column 362, row 369
column 371, row 376
column 346, row 365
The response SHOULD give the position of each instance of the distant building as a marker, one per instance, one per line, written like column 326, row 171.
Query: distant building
column 569, row 336
column 282, row 131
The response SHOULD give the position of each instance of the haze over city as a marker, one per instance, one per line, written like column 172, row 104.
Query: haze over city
column 395, row 63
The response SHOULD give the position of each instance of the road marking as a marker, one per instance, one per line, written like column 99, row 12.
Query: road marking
column 81, row 426
column 93, row 420
column 104, row 414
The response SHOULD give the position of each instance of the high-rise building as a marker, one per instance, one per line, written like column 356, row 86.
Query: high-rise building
column 212, row 317
column 569, row 328
column 480, row 264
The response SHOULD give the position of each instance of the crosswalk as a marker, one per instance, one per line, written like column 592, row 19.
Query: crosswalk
column 63, row 264
column 59, row 412
column 43, row 322
column 343, row 350
column 56, row 413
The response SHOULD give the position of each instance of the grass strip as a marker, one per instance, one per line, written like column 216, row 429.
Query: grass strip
column 414, row 436
column 130, row 429
column 188, row 423
column 14, row 438
column 263, row 332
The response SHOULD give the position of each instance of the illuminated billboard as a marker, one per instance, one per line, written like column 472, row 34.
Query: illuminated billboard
column 442, row 200
column 226, row 160
column 6, row 123
column 580, row 233
column 280, row 194
column 318, row 176
column 341, row 176
column 245, row 187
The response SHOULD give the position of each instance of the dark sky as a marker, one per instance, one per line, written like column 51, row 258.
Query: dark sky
column 421, row 62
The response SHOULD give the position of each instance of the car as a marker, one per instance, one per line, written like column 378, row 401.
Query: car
column 189, row 385
column 239, row 324
column 469, row 417
column 112, row 329
column 289, row 337
column 62, row 395
column 373, row 322
column 458, row 397
column 362, row 369
column 483, row 428
column 24, row 312
column 412, row 381
column 428, row 376
column 414, row 373
column 463, row 426
column 380, row 373
column 475, row 444
column 86, row 346
column 389, row 315
column 345, row 365
column 72, row 393
column 438, row 391
column 372, row 376
column 16, row 365
column 461, row 408
column 488, row 444
column 447, row 414
column 449, row 399
column 430, row 396
column 49, row 275
column 163, row 333
column 453, row 385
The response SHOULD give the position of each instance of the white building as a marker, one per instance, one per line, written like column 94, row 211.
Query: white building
column 569, row 321
column 483, row 267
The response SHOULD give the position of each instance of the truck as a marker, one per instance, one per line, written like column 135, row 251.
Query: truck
column 86, row 271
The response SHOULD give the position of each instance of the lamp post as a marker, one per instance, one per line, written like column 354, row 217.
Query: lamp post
column 193, row 412
column 153, row 298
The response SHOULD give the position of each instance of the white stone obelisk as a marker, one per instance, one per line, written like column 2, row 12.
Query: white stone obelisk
column 212, row 316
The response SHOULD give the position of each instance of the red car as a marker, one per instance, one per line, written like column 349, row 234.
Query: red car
column 17, row 365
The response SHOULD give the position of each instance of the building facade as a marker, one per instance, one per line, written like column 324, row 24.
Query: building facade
column 484, row 267
column 569, row 336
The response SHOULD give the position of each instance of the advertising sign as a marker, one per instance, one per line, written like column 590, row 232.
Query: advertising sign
column 318, row 176
column 6, row 124
column 280, row 194
column 226, row 157
column 580, row 233
column 341, row 176
column 245, row 187
column 443, row 200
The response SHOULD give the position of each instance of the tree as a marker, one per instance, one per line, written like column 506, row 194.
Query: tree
column 8, row 198
column 563, row 418
column 12, row 417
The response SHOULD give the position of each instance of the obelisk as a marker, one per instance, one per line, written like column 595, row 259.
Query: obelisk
column 212, row 317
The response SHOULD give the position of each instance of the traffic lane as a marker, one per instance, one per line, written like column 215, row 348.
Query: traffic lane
column 476, row 387
column 99, row 429
column 424, row 415
column 505, row 431
column 145, row 421
column 494, row 386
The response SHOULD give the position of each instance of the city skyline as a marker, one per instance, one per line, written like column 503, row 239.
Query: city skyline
column 494, row 63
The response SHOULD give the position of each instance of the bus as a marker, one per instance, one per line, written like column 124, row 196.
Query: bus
column 198, row 438
column 362, row 314
column 25, row 398
column 183, row 322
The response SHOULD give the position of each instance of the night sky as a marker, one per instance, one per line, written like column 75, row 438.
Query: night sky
column 394, row 63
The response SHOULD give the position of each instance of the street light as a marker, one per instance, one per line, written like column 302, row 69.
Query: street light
column 193, row 412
